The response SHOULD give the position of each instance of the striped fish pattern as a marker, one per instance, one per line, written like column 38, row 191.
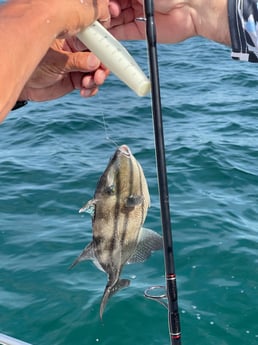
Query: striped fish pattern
column 119, row 209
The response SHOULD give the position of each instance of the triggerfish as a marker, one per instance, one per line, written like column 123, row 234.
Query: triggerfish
column 119, row 209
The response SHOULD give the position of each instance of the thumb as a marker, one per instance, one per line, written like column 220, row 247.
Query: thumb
column 81, row 62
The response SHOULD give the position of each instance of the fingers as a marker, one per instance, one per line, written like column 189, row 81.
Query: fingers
column 86, row 62
column 81, row 61
column 114, row 8
column 90, row 80
column 124, row 26
column 103, row 12
column 88, row 83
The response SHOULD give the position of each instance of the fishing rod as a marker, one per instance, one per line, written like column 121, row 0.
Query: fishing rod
column 171, row 287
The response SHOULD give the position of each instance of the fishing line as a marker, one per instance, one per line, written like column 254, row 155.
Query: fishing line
column 107, row 137
column 171, row 288
column 106, row 128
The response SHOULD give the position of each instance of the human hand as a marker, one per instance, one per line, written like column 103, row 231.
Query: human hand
column 176, row 20
column 173, row 18
column 65, row 68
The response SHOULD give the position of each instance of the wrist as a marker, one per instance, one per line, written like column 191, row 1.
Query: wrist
column 211, row 20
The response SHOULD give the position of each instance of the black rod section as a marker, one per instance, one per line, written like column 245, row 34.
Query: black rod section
column 173, row 314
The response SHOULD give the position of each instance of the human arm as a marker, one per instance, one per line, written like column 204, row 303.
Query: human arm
column 27, row 30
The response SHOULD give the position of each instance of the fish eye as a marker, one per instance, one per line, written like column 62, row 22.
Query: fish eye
column 110, row 189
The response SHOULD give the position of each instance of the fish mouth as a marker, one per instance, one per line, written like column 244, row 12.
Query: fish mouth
column 124, row 150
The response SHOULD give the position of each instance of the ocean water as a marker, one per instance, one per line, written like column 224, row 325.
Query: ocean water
column 51, row 156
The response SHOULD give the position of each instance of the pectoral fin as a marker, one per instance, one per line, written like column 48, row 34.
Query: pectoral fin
column 134, row 200
column 148, row 242
column 89, row 207
column 86, row 254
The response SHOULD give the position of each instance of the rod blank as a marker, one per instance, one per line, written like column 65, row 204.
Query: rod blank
column 173, row 314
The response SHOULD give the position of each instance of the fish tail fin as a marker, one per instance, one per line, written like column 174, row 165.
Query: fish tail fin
column 86, row 254
column 110, row 290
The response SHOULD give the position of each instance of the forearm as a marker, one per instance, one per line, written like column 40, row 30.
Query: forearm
column 27, row 28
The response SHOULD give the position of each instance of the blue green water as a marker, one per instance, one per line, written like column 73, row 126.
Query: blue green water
column 51, row 156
